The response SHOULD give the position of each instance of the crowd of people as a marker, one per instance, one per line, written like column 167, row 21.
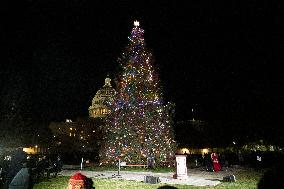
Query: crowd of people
column 216, row 161
column 11, row 164
column 211, row 162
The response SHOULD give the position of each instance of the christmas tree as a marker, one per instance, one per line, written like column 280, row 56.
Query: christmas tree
column 139, row 125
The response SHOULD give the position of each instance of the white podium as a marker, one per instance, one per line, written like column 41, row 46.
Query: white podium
column 181, row 169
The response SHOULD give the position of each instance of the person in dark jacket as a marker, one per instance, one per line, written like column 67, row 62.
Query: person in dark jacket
column 208, row 162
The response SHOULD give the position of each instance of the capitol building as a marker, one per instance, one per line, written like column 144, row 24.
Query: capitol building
column 82, row 133
column 99, row 103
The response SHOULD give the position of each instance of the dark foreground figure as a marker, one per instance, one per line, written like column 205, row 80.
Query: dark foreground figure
column 272, row 178
column 167, row 187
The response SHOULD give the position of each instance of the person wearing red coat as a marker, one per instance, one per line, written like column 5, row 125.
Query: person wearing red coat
column 216, row 164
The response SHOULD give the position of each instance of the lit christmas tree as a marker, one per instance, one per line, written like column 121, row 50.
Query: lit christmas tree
column 139, row 125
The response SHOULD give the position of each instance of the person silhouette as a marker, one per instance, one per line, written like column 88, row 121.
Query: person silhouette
column 167, row 187
column 216, row 165
column 272, row 178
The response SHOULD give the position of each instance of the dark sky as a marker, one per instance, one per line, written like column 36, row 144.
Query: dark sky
column 221, row 58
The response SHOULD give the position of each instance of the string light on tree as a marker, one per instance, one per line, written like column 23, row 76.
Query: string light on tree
column 139, row 124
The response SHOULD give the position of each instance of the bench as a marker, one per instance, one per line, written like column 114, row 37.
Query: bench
column 134, row 165
column 123, row 164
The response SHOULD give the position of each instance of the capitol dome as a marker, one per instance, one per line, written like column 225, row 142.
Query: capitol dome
column 98, row 107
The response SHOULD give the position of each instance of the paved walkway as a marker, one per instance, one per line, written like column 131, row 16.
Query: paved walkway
column 196, row 177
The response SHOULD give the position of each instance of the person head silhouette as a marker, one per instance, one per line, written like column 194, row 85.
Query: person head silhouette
column 167, row 187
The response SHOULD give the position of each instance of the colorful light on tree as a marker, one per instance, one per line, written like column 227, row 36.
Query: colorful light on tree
column 139, row 125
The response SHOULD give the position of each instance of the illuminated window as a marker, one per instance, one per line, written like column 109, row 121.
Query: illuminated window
column 104, row 111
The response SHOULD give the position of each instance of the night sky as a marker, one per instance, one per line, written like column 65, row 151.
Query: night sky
column 221, row 58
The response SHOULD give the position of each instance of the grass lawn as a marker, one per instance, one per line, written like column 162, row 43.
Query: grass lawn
column 245, row 180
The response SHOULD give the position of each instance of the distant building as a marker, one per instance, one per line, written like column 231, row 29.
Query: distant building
column 84, row 133
column 67, row 128
column 188, row 151
column 99, row 107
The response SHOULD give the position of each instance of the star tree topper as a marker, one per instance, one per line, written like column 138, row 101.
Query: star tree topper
column 136, row 23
